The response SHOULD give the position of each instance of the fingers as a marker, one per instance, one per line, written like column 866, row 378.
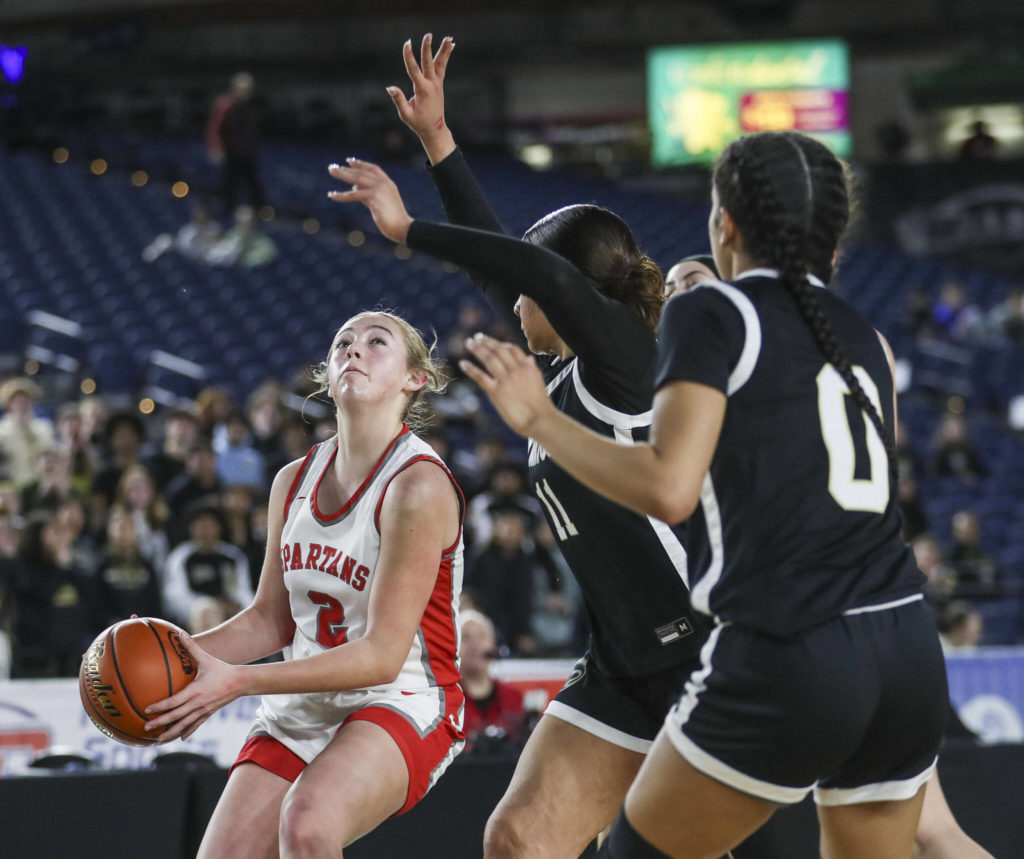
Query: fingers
column 427, row 56
column 497, row 357
column 411, row 69
column 401, row 102
column 363, row 176
column 442, row 55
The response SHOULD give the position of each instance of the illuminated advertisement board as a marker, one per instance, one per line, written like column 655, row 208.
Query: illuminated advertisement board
column 699, row 97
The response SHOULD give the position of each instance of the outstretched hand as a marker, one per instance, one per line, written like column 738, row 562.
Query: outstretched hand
column 511, row 379
column 424, row 112
column 217, row 683
column 372, row 187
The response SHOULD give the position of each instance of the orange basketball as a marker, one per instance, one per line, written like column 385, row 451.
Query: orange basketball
column 129, row 666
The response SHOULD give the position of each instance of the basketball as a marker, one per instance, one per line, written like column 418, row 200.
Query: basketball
column 129, row 666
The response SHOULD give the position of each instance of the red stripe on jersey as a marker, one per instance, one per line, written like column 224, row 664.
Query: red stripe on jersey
column 337, row 514
column 297, row 481
column 422, row 754
column 438, row 627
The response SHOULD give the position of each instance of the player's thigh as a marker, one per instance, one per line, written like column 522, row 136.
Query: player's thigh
column 870, row 830
column 245, row 822
column 568, row 784
column 358, row 781
column 687, row 814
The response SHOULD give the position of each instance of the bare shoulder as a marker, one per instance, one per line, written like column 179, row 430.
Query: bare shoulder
column 423, row 484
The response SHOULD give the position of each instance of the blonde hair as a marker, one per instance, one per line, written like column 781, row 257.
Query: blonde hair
column 419, row 357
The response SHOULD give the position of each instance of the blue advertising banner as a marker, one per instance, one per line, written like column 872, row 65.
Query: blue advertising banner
column 987, row 689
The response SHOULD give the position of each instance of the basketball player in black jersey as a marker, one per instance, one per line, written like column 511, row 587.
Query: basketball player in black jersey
column 588, row 302
column 772, row 436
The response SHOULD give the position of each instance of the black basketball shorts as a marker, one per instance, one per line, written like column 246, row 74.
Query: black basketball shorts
column 853, row 709
column 624, row 711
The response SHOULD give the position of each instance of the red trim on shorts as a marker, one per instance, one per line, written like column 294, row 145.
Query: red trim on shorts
column 297, row 480
column 271, row 754
column 422, row 754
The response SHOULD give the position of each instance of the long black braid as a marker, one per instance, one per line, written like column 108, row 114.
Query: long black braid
column 787, row 194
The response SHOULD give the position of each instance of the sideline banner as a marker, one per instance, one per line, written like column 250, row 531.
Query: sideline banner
column 45, row 714
column 986, row 686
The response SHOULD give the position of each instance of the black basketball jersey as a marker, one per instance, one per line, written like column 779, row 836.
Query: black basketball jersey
column 797, row 521
column 631, row 569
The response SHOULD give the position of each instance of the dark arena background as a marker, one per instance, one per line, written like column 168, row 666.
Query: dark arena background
column 161, row 323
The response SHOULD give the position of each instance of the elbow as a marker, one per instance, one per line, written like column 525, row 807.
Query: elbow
column 673, row 504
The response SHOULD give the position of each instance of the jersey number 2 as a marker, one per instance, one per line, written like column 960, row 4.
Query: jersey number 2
column 850, row 493
column 330, row 620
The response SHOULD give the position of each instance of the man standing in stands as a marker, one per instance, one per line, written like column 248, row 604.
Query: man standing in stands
column 232, row 142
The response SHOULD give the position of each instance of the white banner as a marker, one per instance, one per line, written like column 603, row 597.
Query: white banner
column 46, row 714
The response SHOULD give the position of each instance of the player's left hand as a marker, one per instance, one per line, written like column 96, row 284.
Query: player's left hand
column 217, row 683
column 511, row 379
column 372, row 187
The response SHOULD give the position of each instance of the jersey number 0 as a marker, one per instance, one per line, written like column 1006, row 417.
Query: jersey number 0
column 870, row 495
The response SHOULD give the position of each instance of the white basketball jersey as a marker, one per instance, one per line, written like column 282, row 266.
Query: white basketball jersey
column 329, row 560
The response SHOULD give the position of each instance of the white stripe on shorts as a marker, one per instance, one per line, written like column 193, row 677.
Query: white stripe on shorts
column 879, row 792
column 883, row 606
column 585, row 722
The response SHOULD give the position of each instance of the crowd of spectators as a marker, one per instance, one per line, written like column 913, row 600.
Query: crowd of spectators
column 107, row 513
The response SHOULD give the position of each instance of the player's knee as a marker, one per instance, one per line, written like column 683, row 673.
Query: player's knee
column 506, row 834
column 302, row 830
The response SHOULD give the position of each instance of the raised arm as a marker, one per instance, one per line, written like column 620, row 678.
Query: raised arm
column 590, row 324
column 463, row 200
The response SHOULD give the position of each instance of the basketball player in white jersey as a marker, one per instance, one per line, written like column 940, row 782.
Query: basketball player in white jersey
column 360, row 587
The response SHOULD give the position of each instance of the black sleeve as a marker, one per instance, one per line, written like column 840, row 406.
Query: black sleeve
column 612, row 342
column 700, row 339
column 465, row 204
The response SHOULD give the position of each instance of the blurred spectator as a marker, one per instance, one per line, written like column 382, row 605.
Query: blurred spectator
column 557, row 596
column 126, row 582
column 954, row 317
column 296, row 440
column 239, row 504
column 919, row 320
column 85, row 458
column 238, row 462
column 194, row 239
column 56, row 614
column 200, row 480
column 959, row 626
column 22, row 435
column 232, row 141
column 940, row 577
column 180, row 431
column 52, row 486
column 213, row 405
column 137, row 495
column 266, row 416
column 206, row 580
column 976, row 570
column 459, row 406
column 915, row 520
column 1005, row 321
column 243, row 244
column 980, row 145
column 954, row 455
column 125, row 434
column 93, row 413
column 500, row 579
column 494, row 717
column 506, row 487
column 488, row 450
column 473, row 317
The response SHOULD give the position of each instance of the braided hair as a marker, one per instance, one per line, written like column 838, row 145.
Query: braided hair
column 787, row 194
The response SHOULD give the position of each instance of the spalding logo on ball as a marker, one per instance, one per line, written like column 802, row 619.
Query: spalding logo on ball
column 129, row 666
